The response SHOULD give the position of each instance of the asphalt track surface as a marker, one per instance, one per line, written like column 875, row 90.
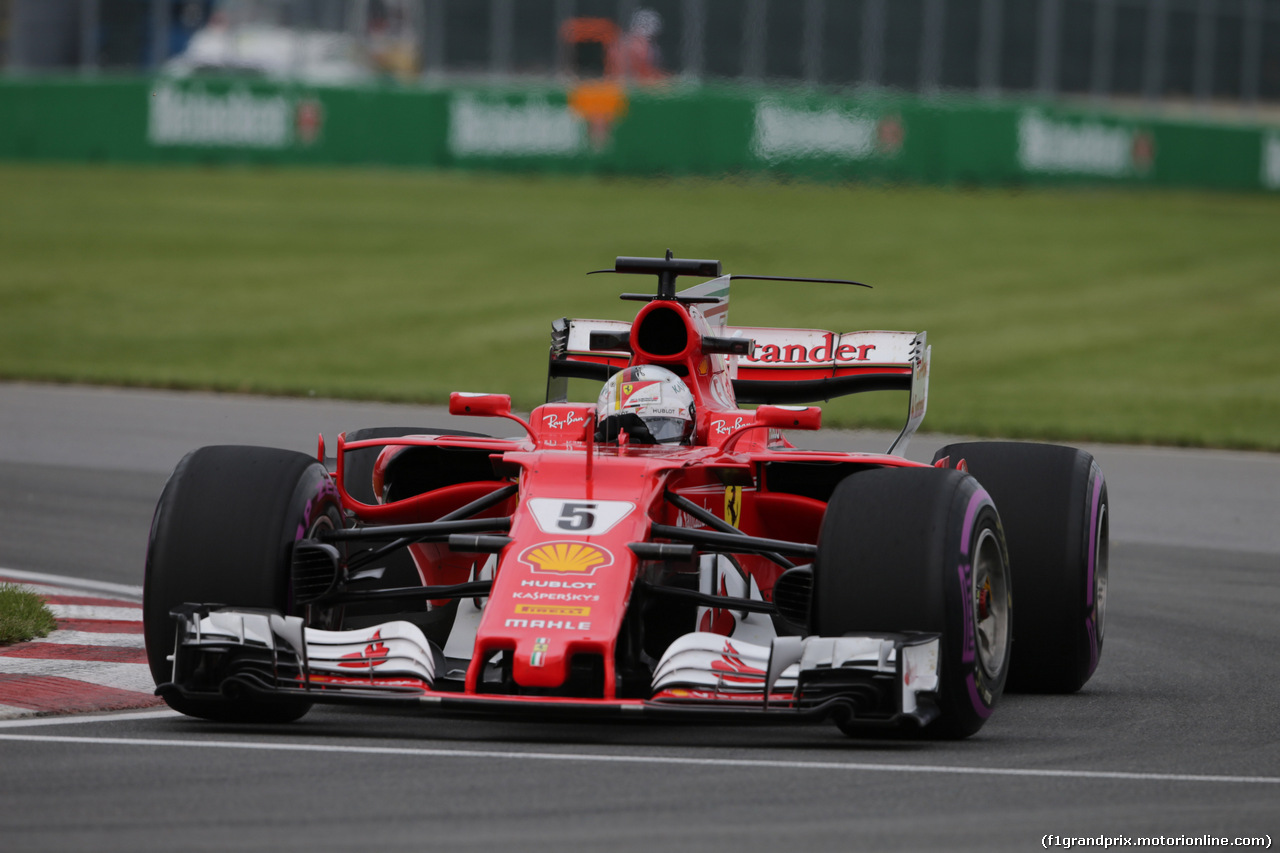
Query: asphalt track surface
column 1177, row 735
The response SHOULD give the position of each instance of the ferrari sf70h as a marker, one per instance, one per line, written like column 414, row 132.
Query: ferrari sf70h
column 661, row 551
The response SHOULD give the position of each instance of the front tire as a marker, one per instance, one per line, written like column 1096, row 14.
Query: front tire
column 223, row 533
column 921, row 549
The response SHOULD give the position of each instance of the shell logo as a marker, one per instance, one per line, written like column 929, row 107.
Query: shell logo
column 566, row 558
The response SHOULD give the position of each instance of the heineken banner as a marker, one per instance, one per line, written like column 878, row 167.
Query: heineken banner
column 600, row 127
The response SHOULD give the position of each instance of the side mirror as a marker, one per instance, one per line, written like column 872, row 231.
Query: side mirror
column 486, row 406
column 789, row 417
column 480, row 405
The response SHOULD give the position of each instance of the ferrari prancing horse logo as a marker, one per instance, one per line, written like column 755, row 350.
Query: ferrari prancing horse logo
column 733, row 504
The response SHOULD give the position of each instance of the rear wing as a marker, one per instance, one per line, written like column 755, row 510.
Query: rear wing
column 787, row 366
column 811, row 365
column 779, row 366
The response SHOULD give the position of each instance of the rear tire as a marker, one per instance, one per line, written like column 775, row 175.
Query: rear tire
column 1053, row 500
column 222, row 533
column 921, row 549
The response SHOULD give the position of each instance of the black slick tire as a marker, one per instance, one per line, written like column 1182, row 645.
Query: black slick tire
column 1054, row 504
column 222, row 534
column 921, row 549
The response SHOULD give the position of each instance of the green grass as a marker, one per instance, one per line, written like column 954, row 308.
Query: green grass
column 1072, row 315
column 23, row 615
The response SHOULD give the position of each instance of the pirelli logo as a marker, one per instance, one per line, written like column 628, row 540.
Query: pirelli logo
column 551, row 610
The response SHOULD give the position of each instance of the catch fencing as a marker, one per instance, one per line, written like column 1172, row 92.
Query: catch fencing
column 1196, row 51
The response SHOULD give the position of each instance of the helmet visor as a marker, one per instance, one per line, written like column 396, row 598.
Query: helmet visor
column 668, row 430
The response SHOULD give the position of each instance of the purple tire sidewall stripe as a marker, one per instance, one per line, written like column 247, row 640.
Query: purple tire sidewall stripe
column 976, row 502
column 979, row 496
column 979, row 707
column 325, row 488
column 1094, row 532
column 1093, row 535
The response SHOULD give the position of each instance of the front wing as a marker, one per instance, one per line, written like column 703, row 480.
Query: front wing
column 880, row 679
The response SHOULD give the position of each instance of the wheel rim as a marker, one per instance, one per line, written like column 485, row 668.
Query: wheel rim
column 990, row 596
column 1100, row 572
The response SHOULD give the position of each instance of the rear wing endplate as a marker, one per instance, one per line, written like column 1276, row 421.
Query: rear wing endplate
column 919, row 395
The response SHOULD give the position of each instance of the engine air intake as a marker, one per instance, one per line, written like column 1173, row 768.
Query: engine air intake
column 662, row 333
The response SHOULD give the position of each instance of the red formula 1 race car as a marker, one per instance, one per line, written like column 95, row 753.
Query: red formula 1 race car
column 660, row 552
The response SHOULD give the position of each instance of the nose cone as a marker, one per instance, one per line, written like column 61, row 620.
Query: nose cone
column 553, row 600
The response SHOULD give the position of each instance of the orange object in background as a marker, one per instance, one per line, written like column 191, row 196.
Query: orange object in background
column 602, row 59
column 600, row 103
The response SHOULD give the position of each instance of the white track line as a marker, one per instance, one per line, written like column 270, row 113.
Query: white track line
column 76, row 583
column 765, row 764
column 46, row 589
column 81, row 719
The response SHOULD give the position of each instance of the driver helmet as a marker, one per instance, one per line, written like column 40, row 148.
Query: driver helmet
column 650, row 404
